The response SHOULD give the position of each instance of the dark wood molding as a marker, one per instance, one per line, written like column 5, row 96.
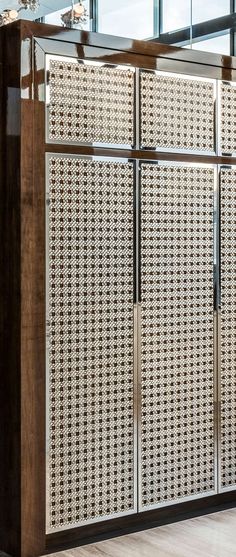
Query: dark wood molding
column 146, row 48
column 111, row 56
column 142, row 155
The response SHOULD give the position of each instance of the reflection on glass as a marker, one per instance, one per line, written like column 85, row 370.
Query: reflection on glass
column 176, row 14
column 220, row 45
column 127, row 18
column 204, row 10
column 54, row 18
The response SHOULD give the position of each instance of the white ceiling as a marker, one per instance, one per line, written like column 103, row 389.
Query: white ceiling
column 46, row 7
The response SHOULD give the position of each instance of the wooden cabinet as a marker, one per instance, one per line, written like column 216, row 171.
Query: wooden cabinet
column 117, row 398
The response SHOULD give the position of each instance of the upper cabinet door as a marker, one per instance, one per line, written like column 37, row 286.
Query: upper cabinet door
column 90, row 103
column 177, row 113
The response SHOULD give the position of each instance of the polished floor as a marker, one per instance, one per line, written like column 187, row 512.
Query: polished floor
column 213, row 535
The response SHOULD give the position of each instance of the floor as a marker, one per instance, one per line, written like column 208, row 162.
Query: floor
column 213, row 535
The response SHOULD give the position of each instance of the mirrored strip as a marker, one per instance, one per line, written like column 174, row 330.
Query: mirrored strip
column 217, row 308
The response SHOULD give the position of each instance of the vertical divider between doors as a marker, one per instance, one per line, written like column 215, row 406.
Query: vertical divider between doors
column 219, row 340
column 136, row 341
column 216, row 329
column 138, row 332
column 138, row 287
column 217, row 287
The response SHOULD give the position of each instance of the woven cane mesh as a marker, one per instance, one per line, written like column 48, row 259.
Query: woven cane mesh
column 228, row 126
column 90, row 253
column 176, row 113
column 90, row 104
column 228, row 327
column 177, row 432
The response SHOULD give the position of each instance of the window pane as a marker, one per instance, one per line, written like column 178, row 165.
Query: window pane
column 219, row 45
column 204, row 10
column 176, row 14
column 127, row 18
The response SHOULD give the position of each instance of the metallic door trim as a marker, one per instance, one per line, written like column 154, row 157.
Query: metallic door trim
column 216, row 263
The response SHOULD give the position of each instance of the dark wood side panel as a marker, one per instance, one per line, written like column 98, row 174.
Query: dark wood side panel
column 32, row 330
column 10, row 449
column 22, row 334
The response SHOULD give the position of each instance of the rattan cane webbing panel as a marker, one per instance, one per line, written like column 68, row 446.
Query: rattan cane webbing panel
column 177, row 433
column 90, row 104
column 228, row 327
column 176, row 113
column 228, row 111
column 90, row 296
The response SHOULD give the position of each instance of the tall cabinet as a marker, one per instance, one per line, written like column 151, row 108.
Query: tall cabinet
column 118, row 286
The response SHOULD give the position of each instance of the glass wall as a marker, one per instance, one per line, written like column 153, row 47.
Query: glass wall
column 220, row 45
column 184, row 13
column 203, row 23
column 199, row 24
column 129, row 18
column 175, row 15
column 203, row 10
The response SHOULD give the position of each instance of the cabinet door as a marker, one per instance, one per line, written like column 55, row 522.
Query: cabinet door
column 89, row 103
column 90, row 407
column 227, row 330
column 177, row 430
column 177, row 112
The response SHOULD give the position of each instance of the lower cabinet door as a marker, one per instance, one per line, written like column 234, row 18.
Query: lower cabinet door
column 227, row 330
column 177, row 451
column 91, row 455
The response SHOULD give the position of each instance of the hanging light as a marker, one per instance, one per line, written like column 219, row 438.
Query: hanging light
column 76, row 16
column 32, row 5
column 8, row 16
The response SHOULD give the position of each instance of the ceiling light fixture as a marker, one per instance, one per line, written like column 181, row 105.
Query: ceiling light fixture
column 76, row 16
column 32, row 5
column 8, row 16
